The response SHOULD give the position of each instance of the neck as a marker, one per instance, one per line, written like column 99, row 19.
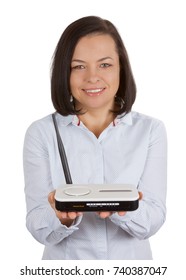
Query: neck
column 97, row 121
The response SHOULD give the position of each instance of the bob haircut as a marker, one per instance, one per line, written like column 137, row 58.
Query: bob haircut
column 61, row 65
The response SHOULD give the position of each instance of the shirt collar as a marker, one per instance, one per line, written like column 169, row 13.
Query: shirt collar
column 66, row 120
column 124, row 118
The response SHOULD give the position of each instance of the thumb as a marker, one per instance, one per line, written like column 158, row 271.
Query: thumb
column 51, row 198
column 140, row 195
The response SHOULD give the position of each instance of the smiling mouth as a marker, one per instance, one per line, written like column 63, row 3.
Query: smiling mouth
column 94, row 92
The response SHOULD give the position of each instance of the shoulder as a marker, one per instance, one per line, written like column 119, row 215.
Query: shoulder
column 146, row 120
column 44, row 127
column 139, row 117
column 150, row 125
column 40, row 126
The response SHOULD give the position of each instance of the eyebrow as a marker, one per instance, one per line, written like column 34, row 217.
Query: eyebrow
column 99, row 60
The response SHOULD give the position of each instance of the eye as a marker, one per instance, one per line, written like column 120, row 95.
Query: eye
column 105, row 65
column 78, row 67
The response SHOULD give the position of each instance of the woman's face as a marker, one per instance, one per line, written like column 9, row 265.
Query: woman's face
column 95, row 73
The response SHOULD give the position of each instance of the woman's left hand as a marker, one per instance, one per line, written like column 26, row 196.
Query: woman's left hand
column 105, row 214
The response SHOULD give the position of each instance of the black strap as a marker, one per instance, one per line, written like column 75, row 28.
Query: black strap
column 62, row 153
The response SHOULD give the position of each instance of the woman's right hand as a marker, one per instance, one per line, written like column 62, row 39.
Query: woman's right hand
column 66, row 218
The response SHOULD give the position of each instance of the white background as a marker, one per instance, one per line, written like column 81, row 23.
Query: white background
column 154, row 34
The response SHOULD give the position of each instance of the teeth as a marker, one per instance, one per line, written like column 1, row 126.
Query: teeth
column 93, row 90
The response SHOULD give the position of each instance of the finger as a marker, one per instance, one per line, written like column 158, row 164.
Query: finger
column 104, row 215
column 79, row 214
column 62, row 215
column 140, row 195
column 72, row 215
column 68, row 215
column 51, row 199
column 121, row 213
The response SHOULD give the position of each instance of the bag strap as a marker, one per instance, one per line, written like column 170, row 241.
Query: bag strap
column 62, row 153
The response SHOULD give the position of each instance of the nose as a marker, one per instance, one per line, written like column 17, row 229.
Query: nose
column 92, row 75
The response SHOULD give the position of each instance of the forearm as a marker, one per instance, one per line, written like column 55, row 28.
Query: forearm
column 151, row 214
column 47, row 228
column 143, row 222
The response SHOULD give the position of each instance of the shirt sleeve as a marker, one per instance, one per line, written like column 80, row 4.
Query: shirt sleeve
column 151, row 213
column 41, row 220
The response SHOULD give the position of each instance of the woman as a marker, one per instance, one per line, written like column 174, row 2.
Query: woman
column 93, row 91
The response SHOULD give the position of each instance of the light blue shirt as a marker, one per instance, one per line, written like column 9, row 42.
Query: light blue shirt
column 132, row 149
